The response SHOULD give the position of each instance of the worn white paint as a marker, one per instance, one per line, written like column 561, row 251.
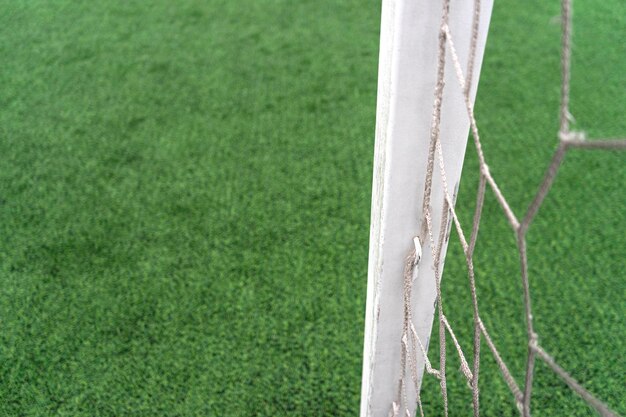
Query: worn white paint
column 407, row 75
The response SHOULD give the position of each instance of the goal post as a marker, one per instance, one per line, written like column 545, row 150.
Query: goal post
column 406, row 84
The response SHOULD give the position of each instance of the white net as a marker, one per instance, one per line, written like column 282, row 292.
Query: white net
column 412, row 346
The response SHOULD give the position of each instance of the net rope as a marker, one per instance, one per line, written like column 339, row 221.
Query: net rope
column 411, row 345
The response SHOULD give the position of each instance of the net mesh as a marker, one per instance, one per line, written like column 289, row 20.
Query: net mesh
column 412, row 346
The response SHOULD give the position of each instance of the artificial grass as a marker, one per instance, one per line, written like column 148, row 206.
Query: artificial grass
column 185, row 194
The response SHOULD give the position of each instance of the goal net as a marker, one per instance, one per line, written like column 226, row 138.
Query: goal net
column 400, row 313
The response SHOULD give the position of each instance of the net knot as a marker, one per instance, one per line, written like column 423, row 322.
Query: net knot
column 484, row 169
column 572, row 136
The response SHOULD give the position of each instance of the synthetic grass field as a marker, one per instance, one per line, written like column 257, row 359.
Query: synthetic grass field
column 185, row 196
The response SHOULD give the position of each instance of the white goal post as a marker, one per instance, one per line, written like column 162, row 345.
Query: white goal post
column 406, row 85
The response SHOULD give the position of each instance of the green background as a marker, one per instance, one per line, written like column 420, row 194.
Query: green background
column 185, row 194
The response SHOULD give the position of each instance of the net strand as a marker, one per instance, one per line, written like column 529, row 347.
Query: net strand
column 411, row 344
column 469, row 248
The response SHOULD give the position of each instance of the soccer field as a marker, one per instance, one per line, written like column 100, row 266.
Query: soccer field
column 185, row 198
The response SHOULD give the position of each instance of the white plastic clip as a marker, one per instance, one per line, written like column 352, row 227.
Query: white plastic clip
column 418, row 249
column 418, row 256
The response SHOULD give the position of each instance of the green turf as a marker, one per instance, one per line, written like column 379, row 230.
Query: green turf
column 185, row 195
